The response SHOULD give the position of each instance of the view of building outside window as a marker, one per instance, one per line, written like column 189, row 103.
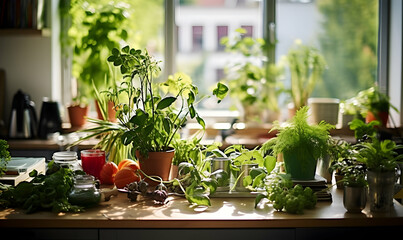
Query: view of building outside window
column 345, row 33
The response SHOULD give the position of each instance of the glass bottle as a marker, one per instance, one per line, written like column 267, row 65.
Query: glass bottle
column 84, row 193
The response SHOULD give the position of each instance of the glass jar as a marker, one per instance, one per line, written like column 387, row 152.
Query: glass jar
column 67, row 159
column 84, row 192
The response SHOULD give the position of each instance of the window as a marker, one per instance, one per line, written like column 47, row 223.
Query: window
column 222, row 31
column 197, row 36
column 249, row 30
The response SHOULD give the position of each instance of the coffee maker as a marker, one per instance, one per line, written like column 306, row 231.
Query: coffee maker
column 23, row 120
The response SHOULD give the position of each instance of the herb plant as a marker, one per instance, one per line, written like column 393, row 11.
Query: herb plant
column 306, row 65
column 283, row 195
column 47, row 192
column 146, row 120
column 298, row 134
column 4, row 156
column 379, row 156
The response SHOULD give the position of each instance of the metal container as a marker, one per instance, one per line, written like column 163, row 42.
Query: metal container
column 224, row 164
column 354, row 198
column 244, row 171
column 381, row 190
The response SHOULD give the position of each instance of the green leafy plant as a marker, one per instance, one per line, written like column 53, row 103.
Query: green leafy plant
column 251, row 80
column 306, row 65
column 379, row 156
column 299, row 134
column 362, row 130
column 354, row 175
column 94, row 31
column 280, row 191
column 48, row 192
column 147, row 121
column 4, row 156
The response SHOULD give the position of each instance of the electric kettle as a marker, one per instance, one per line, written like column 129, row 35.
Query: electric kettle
column 23, row 121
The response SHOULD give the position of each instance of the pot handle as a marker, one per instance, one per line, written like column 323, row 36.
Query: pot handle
column 398, row 172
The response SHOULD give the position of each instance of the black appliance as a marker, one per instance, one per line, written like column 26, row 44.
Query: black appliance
column 50, row 120
column 23, row 121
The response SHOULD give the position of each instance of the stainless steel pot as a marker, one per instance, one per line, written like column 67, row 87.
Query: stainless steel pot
column 354, row 198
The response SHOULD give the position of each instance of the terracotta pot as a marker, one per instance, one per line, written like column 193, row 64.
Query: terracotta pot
column 77, row 115
column 157, row 164
column 382, row 118
column 111, row 111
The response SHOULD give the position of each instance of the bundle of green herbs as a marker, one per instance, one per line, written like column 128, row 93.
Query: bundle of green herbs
column 47, row 192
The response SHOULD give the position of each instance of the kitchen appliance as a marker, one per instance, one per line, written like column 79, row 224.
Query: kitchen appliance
column 23, row 120
column 50, row 120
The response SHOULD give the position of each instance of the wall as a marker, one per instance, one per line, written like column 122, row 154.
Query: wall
column 27, row 62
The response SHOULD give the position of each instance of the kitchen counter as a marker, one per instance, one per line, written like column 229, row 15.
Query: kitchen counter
column 119, row 212
column 227, row 218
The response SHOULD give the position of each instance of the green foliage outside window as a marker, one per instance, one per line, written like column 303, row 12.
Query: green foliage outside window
column 349, row 45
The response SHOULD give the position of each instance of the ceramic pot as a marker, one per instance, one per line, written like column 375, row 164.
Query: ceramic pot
column 299, row 164
column 381, row 190
column 354, row 198
column 382, row 117
column 77, row 115
column 156, row 164
column 323, row 109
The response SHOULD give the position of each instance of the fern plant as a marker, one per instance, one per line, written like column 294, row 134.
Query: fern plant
column 296, row 137
column 298, row 133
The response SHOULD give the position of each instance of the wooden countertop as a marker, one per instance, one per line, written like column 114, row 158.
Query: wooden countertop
column 119, row 212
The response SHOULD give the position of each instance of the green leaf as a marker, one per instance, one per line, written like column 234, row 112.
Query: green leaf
column 165, row 102
column 192, row 111
column 259, row 198
column 201, row 122
column 115, row 52
column 126, row 49
column 220, row 91
column 140, row 118
column 191, row 98
column 128, row 137
column 258, row 181
column 211, row 184
column 167, row 124
column 269, row 163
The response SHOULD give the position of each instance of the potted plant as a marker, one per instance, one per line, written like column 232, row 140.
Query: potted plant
column 301, row 144
column 78, row 112
column 243, row 161
column 147, row 122
column 380, row 158
column 89, row 32
column 254, row 83
column 375, row 105
column 340, row 152
column 355, row 188
column 306, row 66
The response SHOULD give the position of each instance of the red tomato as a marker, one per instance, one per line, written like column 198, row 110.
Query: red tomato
column 108, row 172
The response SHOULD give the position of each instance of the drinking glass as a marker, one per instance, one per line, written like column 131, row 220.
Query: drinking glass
column 92, row 161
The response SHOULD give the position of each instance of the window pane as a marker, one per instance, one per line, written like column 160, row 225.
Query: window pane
column 345, row 32
column 201, row 25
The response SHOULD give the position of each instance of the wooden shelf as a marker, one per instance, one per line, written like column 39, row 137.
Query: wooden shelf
column 23, row 32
